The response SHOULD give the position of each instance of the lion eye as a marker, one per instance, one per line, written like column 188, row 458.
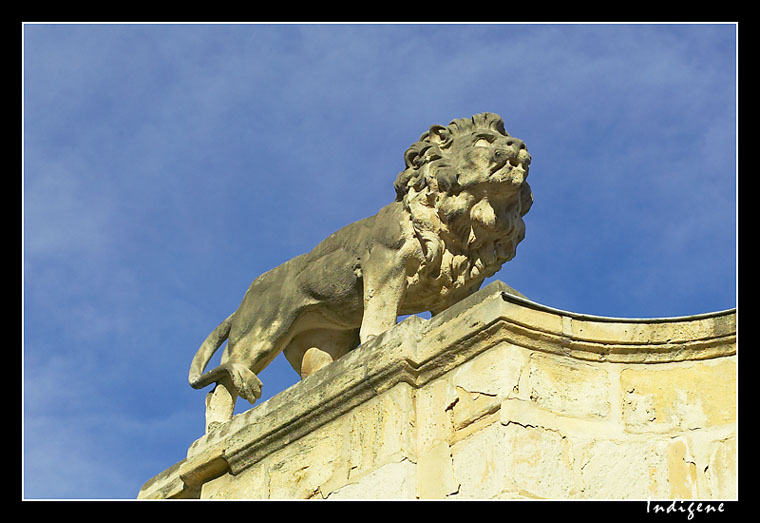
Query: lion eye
column 484, row 140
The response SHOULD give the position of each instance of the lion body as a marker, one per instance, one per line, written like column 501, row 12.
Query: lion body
column 456, row 220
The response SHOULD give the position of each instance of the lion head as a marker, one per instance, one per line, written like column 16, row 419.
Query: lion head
column 465, row 190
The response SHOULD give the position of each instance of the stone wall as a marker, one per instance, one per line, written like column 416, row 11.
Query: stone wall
column 496, row 398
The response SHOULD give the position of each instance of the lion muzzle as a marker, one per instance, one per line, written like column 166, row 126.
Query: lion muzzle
column 511, row 162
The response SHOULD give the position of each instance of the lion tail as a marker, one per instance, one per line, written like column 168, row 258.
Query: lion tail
column 214, row 340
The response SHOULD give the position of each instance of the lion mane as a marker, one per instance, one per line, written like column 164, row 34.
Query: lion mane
column 466, row 235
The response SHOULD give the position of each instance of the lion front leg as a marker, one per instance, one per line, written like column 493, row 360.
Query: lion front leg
column 384, row 288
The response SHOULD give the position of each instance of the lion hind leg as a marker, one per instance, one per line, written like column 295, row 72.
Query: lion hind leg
column 314, row 349
column 313, row 360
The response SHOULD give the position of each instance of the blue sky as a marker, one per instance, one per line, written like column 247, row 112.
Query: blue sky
column 166, row 166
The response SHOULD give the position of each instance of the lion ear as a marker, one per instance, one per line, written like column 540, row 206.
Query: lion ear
column 409, row 156
column 413, row 155
column 439, row 134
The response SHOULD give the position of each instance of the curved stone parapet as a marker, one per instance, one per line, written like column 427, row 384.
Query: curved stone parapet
column 496, row 397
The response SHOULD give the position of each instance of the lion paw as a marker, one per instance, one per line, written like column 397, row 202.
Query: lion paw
column 247, row 384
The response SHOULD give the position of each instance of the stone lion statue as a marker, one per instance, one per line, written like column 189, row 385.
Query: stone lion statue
column 456, row 219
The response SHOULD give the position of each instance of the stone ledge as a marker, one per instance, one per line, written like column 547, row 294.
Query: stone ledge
column 418, row 352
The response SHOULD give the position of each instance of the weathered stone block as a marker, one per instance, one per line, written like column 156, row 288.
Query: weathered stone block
column 481, row 384
column 623, row 469
column 382, row 431
column 435, row 473
column 514, row 461
column 538, row 461
column 568, row 386
column 721, row 469
column 679, row 397
column 433, row 408
column 396, row 480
